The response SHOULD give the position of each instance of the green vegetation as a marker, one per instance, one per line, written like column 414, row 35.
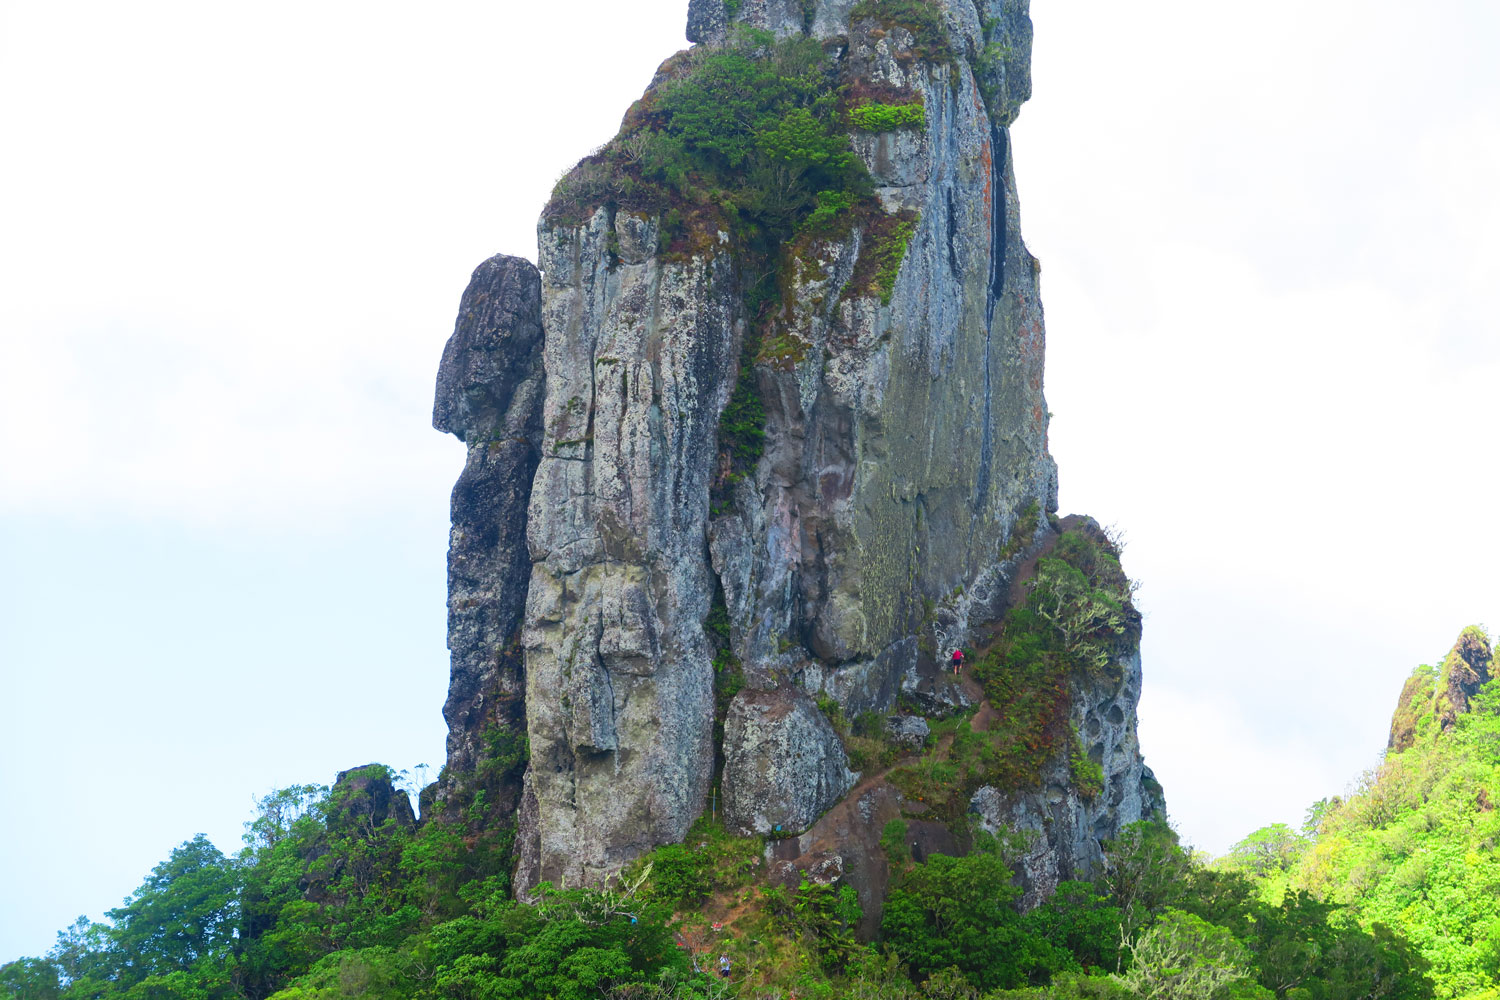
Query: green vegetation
column 1157, row 925
column 325, row 902
column 877, row 117
column 729, row 679
column 742, row 138
column 1022, row 532
column 864, row 739
column 1393, row 892
column 1087, row 774
column 1412, row 848
column 889, row 253
column 742, row 430
column 989, row 70
column 1077, row 621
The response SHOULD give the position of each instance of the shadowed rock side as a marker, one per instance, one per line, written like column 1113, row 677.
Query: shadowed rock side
column 489, row 393
column 904, row 478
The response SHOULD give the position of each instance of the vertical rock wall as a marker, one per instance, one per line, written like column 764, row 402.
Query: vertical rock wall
column 906, row 440
column 904, row 437
column 640, row 358
column 489, row 393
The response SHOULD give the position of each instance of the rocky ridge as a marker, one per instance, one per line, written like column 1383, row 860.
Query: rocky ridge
column 889, row 517
column 1432, row 699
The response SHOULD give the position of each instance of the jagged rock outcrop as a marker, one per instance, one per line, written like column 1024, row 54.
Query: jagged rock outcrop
column 489, row 393
column 902, row 483
column 1432, row 700
column 363, row 798
column 1465, row 670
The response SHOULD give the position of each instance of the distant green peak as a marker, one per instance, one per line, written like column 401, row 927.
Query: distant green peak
column 1433, row 698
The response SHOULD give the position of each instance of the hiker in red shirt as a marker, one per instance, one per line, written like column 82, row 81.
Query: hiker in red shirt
column 958, row 660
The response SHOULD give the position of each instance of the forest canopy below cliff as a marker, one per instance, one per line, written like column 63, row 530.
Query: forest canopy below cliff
column 1390, row 891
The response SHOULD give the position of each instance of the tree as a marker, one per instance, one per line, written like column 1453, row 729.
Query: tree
column 186, row 910
column 1145, row 871
column 29, row 979
column 1270, row 850
column 958, row 912
column 1183, row 957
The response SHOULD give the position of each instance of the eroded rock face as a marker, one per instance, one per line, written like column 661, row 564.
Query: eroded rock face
column 489, row 393
column 784, row 765
column 640, row 359
column 905, row 474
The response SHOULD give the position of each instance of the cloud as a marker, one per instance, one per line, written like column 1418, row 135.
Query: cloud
column 236, row 244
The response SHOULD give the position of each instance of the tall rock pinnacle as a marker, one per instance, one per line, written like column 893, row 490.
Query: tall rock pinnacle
column 767, row 474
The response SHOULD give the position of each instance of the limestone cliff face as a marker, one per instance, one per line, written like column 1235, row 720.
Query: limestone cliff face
column 884, row 523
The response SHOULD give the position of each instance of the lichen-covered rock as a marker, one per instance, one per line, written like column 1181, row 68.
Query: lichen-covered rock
column 640, row 359
column 783, row 764
column 489, row 393
column 909, row 732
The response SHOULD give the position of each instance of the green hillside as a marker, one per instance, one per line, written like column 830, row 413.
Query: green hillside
column 1413, row 846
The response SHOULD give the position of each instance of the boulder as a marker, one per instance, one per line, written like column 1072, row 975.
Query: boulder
column 784, row 765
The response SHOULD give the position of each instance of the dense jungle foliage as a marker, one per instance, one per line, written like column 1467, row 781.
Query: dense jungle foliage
column 314, row 909
column 1412, row 846
column 1390, row 892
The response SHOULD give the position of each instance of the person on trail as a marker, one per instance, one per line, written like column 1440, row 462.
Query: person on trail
column 958, row 660
column 723, row 966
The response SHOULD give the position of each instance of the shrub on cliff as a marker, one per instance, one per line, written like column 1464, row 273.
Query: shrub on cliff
column 744, row 136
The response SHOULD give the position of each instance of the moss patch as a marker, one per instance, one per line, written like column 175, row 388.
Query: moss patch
column 877, row 117
column 883, row 249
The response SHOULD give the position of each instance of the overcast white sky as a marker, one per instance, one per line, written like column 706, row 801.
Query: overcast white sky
column 232, row 241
